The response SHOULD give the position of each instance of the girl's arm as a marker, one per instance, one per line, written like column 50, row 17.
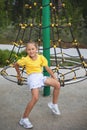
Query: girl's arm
column 16, row 66
column 50, row 72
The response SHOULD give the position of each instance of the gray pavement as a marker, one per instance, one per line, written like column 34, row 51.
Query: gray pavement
column 72, row 104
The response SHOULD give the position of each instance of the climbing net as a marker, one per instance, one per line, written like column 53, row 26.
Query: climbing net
column 68, row 68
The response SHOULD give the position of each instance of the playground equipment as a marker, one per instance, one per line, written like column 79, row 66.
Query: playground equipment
column 50, row 27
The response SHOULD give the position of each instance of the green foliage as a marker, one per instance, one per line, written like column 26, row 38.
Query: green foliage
column 12, row 12
column 4, row 56
column 2, row 14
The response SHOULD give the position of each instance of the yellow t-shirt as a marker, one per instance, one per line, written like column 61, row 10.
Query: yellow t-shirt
column 33, row 66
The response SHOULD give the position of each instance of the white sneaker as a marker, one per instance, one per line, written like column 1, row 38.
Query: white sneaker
column 54, row 108
column 25, row 123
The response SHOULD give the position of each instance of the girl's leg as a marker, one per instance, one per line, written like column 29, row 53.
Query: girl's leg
column 54, row 83
column 53, row 105
column 30, row 105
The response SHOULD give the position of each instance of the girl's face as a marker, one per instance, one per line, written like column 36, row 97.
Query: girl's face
column 31, row 50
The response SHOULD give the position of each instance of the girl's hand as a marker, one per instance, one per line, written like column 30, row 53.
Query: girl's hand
column 54, row 77
column 18, row 77
column 20, row 81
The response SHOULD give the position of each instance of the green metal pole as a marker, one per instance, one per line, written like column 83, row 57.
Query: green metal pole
column 46, row 37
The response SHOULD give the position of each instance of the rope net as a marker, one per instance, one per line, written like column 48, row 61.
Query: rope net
column 68, row 68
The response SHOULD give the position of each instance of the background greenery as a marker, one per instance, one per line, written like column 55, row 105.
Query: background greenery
column 13, row 12
column 4, row 54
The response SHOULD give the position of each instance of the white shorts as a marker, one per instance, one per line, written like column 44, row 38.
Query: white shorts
column 36, row 80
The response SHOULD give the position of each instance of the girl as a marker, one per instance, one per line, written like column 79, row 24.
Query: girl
column 33, row 63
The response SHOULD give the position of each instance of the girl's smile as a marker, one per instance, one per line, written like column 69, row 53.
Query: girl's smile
column 32, row 51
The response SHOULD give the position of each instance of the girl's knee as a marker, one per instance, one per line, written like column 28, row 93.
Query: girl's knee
column 58, row 85
column 36, row 98
column 35, row 95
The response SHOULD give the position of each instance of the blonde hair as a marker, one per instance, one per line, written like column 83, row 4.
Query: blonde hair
column 33, row 43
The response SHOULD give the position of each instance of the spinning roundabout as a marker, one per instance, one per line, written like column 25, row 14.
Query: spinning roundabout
column 68, row 68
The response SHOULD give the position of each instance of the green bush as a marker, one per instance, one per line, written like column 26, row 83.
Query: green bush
column 5, row 54
column 3, row 57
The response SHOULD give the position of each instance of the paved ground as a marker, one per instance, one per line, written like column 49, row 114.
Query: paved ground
column 72, row 104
